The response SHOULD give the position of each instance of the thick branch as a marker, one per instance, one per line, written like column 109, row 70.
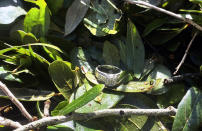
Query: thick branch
column 97, row 114
column 9, row 123
column 15, row 101
column 181, row 77
column 178, row 16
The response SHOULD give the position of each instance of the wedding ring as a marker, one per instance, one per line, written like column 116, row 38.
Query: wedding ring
column 108, row 75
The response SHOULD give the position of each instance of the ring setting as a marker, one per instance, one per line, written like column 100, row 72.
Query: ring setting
column 108, row 74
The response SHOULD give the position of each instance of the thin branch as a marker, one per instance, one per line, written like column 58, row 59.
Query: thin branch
column 9, row 123
column 178, row 16
column 97, row 114
column 185, row 54
column 181, row 77
column 46, row 108
column 15, row 101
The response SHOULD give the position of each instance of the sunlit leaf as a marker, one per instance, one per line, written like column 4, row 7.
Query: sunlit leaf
column 189, row 113
column 102, row 18
column 104, row 101
column 159, row 74
column 136, row 86
column 80, row 101
column 10, row 10
column 37, row 21
column 75, row 14
column 7, row 75
column 62, row 75
column 81, row 58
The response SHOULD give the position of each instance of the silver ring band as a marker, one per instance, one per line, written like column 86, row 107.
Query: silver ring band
column 108, row 74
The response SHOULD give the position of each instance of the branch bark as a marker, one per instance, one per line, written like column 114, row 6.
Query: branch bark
column 46, row 107
column 4, row 88
column 97, row 114
column 178, row 16
column 186, row 53
column 9, row 123
column 181, row 77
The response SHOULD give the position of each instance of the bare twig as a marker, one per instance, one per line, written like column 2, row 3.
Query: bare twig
column 96, row 114
column 46, row 108
column 178, row 16
column 181, row 77
column 15, row 101
column 9, row 123
column 185, row 54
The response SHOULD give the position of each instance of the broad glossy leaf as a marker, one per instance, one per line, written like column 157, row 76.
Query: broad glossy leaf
column 153, row 25
column 189, row 113
column 159, row 74
column 80, row 101
column 24, row 37
column 91, row 77
column 24, row 94
column 104, row 101
column 81, row 58
column 173, row 96
column 10, row 10
column 37, row 21
column 132, row 52
column 136, row 86
column 136, row 123
column 7, row 75
column 62, row 76
column 24, row 51
column 75, row 14
column 102, row 18
column 59, row 128
column 111, row 54
column 149, row 66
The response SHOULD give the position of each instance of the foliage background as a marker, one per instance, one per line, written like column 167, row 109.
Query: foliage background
column 49, row 47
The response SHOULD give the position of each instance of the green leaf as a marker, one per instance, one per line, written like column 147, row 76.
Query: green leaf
column 24, row 37
column 132, row 53
column 189, row 113
column 75, row 14
column 105, row 100
column 196, row 1
column 136, row 123
column 102, row 18
column 62, row 76
column 7, row 75
column 24, row 94
column 111, row 54
column 135, row 86
column 153, row 25
column 91, row 77
column 172, row 96
column 81, row 58
column 37, row 21
column 59, row 128
column 81, row 101
column 159, row 74
column 10, row 10
column 27, row 52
